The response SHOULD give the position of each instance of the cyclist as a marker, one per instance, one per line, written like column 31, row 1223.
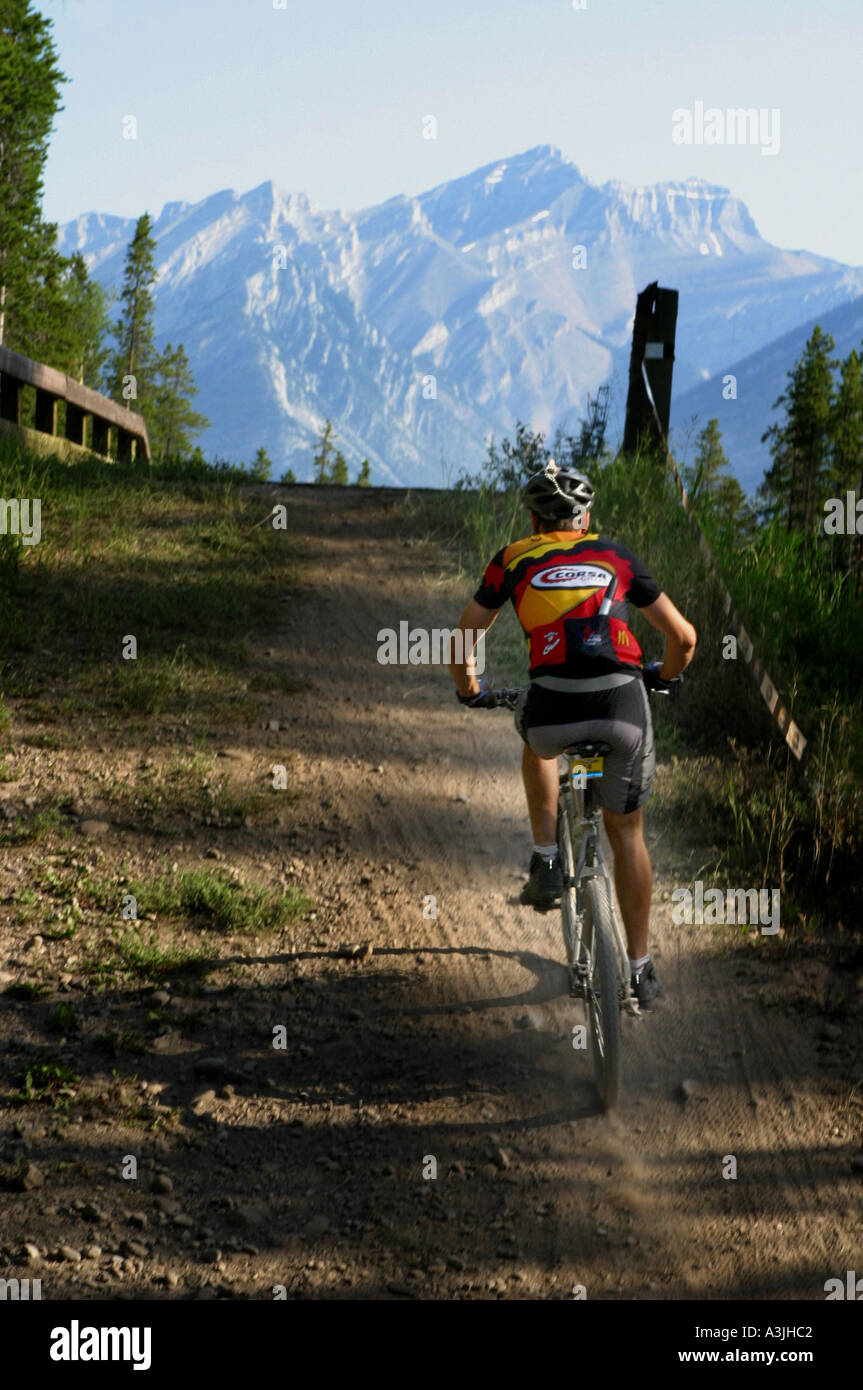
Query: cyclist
column 587, row 682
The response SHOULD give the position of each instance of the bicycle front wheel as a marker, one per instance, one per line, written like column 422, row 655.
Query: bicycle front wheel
column 603, row 995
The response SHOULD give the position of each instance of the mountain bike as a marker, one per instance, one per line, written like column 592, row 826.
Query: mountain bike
column 596, row 954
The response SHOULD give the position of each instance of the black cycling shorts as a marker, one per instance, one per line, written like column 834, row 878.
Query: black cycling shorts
column 550, row 720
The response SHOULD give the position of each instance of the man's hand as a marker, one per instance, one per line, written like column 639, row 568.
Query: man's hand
column 481, row 699
column 680, row 634
column 654, row 681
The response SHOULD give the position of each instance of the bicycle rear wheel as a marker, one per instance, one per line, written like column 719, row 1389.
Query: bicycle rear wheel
column 603, row 995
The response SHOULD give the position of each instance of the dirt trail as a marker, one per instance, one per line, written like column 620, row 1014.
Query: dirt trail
column 468, row 1052
column 451, row 1041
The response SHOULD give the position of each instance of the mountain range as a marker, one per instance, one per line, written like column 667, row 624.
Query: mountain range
column 424, row 324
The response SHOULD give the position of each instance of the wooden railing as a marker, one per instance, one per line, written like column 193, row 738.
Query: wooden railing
column 116, row 433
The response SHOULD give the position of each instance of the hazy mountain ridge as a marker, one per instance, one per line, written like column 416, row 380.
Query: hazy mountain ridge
column 471, row 283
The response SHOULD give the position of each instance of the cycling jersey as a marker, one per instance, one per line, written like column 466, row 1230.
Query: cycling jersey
column 557, row 581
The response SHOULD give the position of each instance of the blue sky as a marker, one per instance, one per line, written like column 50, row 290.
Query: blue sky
column 328, row 97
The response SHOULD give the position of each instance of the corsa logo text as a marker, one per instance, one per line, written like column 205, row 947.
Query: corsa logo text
column 571, row 577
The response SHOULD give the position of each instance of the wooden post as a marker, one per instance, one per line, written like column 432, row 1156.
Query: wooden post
column 124, row 446
column 10, row 399
column 100, row 436
column 46, row 411
column 652, row 344
column 75, row 418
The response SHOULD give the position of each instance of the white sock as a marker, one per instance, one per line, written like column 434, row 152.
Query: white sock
column 547, row 851
column 638, row 964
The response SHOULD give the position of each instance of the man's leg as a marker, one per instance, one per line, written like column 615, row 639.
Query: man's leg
column 545, row 878
column 633, row 876
column 541, row 787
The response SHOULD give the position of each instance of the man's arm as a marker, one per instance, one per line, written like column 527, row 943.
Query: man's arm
column 680, row 635
column 474, row 619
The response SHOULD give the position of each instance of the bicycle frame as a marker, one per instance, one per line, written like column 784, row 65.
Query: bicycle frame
column 590, row 864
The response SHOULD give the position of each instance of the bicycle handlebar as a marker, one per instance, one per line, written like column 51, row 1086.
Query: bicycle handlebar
column 508, row 696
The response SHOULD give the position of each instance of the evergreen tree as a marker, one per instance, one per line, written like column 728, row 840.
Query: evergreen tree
column 846, row 463
column 846, row 427
column 171, row 421
column 325, row 450
column 29, row 99
column 289, row 476
column 88, row 324
column 67, row 319
column 364, row 477
column 262, row 466
column 47, row 328
column 135, row 354
column 339, row 470
column 329, row 463
column 708, row 479
column 800, row 444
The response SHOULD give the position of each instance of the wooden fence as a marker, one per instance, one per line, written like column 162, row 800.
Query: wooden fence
column 116, row 433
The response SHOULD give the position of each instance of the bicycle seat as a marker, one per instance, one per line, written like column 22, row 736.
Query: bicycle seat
column 588, row 749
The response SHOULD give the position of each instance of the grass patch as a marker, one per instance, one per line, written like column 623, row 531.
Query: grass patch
column 218, row 903
column 27, row 990
column 190, row 788
column 45, row 1081
column 173, row 557
column 78, row 891
column 41, row 740
column 136, row 956
column 46, row 824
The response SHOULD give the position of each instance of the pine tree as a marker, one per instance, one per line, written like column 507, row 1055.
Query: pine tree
column 708, row 480
column 262, row 466
column 29, row 99
column 846, row 462
column 325, row 449
column 67, row 320
column 171, row 421
column 339, row 470
column 364, row 477
column 289, row 476
column 800, row 443
column 89, row 328
column 846, row 427
column 135, row 355
column 47, row 329
column 710, row 460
